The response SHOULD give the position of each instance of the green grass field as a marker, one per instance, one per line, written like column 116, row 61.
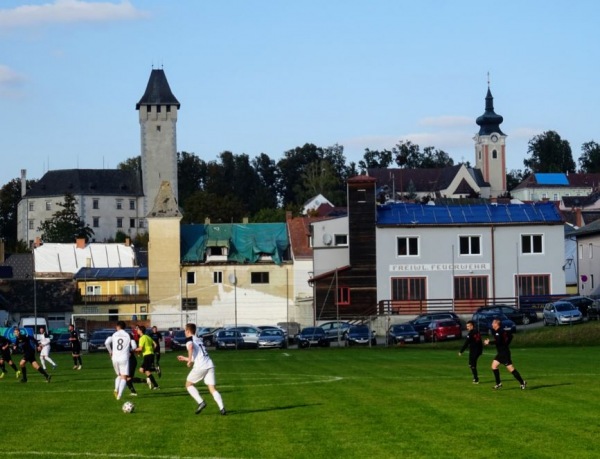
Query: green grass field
column 412, row 401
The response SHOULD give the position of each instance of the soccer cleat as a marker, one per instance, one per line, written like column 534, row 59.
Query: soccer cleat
column 48, row 378
column 23, row 380
column 524, row 385
column 18, row 374
column 159, row 372
column 476, row 381
column 149, row 383
column 54, row 366
column 74, row 367
column 223, row 412
column 116, row 394
column 133, row 394
column 201, row 406
column 79, row 367
column 1, row 375
column 498, row 386
column 156, row 388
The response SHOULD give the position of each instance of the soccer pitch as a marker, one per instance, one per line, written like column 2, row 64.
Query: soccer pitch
column 412, row 401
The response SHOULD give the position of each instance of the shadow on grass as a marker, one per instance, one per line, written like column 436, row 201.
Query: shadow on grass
column 268, row 409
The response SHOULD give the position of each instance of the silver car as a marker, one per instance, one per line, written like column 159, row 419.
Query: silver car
column 561, row 313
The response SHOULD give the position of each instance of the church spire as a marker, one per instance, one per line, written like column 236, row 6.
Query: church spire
column 489, row 122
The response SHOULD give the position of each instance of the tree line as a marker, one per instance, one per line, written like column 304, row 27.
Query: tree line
column 232, row 186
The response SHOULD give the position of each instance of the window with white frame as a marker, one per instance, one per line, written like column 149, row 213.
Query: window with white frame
column 93, row 290
column 532, row 243
column 408, row 246
column 96, row 204
column 469, row 245
column 119, row 222
column 341, row 239
column 31, row 206
column 591, row 250
column 96, row 222
column 48, row 205
column 119, row 204
column 132, row 204
column 259, row 277
column 191, row 277
column 218, row 277
column 130, row 289
column 31, row 224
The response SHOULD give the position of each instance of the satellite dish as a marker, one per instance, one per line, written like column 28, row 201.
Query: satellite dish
column 327, row 239
column 232, row 279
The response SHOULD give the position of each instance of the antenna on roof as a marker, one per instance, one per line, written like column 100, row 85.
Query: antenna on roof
column 488, row 78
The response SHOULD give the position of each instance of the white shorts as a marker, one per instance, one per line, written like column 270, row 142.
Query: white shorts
column 197, row 375
column 121, row 367
column 45, row 352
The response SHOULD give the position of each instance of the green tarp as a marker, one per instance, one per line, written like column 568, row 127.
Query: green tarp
column 245, row 242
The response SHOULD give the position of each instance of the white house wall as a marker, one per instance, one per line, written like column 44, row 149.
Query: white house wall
column 439, row 258
column 328, row 257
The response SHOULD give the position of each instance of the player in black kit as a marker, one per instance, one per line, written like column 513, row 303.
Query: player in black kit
column 475, row 345
column 502, row 339
column 75, row 347
column 28, row 346
column 5, row 358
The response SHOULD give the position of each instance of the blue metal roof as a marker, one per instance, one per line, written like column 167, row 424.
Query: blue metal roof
column 112, row 273
column 423, row 214
column 551, row 179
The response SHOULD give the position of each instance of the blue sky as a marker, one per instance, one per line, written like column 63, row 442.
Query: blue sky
column 258, row 76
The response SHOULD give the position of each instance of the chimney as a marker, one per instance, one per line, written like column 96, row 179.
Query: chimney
column 23, row 182
column 288, row 215
column 80, row 243
column 37, row 242
column 127, row 242
column 207, row 221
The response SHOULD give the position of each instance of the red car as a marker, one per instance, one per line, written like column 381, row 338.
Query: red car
column 441, row 330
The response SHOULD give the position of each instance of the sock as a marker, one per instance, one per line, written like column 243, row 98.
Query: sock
column 48, row 359
column 153, row 381
column 517, row 376
column 43, row 362
column 497, row 375
column 195, row 394
column 218, row 399
column 3, row 367
column 74, row 361
column 122, row 384
column 79, row 360
column 117, row 380
column 24, row 372
column 14, row 367
column 43, row 371
column 130, row 386
column 474, row 371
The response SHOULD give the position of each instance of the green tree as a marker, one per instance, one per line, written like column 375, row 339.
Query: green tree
column 514, row 177
column 10, row 195
column 218, row 208
column 374, row 159
column 191, row 175
column 409, row 156
column 589, row 161
column 131, row 164
column 65, row 225
column 549, row 153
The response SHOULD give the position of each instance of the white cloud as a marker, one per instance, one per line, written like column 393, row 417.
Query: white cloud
column 68, row 11
column 10, row 82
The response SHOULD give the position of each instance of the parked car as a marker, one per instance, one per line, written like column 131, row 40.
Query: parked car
column 561, row 313
column 97, row 340
column 272, row 338
column 594, row 311
column 208, row 335
column 61, row 343
column 360, row 334
column 483, row 321
column 249, row 333
column 523, row 316
column 441, row 330
column 312, row 336
column 291, row 329
column 402, row 333
column 178, row 340
column 229, row 339
column 422, row 321
column 335, row 330
column 582, row 303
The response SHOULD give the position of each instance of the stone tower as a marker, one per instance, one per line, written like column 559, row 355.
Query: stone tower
column 490, row 148
column 158, row 122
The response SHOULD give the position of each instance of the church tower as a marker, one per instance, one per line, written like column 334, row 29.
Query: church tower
column 490, row 148
column 158, row 122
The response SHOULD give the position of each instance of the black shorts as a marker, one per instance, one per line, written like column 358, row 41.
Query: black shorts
column 76, row 347
column 5, row 355
column 148, row 363
column 29, row 357
column 504, row 359
column 473, row 359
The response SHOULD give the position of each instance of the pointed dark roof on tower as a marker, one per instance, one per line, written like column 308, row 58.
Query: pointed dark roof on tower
column 158, row 91
column 489, row 122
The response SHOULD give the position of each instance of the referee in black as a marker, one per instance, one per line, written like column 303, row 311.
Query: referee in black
column 475, row 345
column 503, row 339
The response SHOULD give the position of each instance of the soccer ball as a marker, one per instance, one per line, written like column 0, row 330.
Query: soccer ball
column 128, row 407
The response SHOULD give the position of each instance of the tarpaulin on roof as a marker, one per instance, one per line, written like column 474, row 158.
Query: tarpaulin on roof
column 246, row 242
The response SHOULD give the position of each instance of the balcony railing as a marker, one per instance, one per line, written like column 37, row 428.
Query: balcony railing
column 111, row 299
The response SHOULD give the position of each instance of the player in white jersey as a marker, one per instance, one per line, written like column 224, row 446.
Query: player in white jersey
column 203, row 368
column 44, row 348
column 119, row 346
